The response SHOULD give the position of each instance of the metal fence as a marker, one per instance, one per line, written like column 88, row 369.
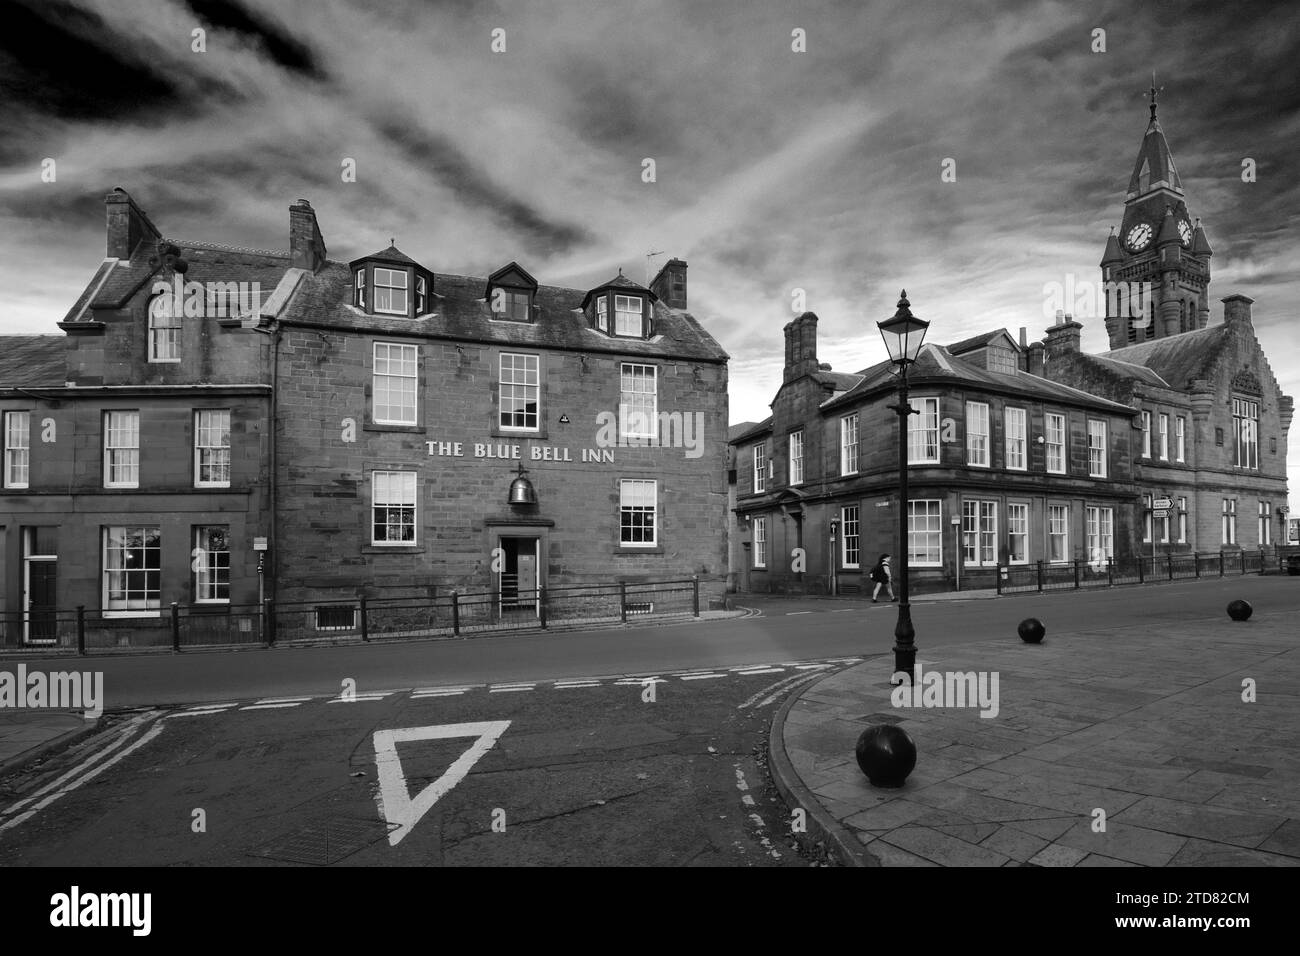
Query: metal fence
column 1077, row 574
column 454, row 614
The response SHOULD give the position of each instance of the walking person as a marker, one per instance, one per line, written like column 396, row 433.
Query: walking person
column 883, row 577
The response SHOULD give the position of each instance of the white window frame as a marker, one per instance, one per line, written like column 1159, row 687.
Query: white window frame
column 1015, row 422
column 216, row 457
column 626, row 306
column 400, row 379
column 1264, row 526
column 1245, row 433
column 393, row 288
column 122, row 607
column 796, row 457
column 1099, row 526
column 977, row 435
column 516, row 382
column 1017, row 514
column 1058, row 526
column 602, row 313
column 923, row 431
column 1054, row 440
column 421, row 295
column 129, row 461
column 851, row 518
column 1162, row 435
column 849, row 445
column 1228, row 525
column 760, row 541
column 638, row 405
column 164, row 329
column 359, row 288
column 1180, row 439
column 1148, row 519
column 1146, row 434
column 979, row 533
column 18, row 449
column 209, row 574
column 1182, row 520
column 925, row 533
column 631, row 502
column 1097, row 457
column 760, row 468
column 385, row 495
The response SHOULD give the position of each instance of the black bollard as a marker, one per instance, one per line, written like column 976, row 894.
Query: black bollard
column 1031, row 630
column 1240, row 610
column 886, row 755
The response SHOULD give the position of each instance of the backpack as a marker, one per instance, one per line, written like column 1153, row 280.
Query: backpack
column 878, row 574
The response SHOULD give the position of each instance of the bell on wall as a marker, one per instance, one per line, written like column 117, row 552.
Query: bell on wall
column 521, row 490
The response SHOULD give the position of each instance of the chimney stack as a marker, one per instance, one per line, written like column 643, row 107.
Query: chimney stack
column 127, row 224
column 670, row 284
column 801, row 347
column 1236, row 308
column 1063, row 336
column 306, row 246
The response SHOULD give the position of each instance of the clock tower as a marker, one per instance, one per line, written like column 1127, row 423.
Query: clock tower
column 1159, row 261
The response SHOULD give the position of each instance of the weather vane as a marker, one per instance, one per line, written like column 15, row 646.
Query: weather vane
column 1155, row 90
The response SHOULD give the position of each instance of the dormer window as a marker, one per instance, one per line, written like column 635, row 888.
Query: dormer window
column 602, row 314
column 390, row 291
column 391, row 283
column 512, row 304
column 627, row 315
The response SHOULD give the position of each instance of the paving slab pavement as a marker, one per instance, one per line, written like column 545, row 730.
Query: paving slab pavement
column 1146, row 724
column 27, row 733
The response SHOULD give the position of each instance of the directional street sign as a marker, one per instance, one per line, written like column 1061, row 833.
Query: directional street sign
column 1162, row 503
column 1160, row 513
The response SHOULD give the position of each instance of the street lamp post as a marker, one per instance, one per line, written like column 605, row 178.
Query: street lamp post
column 903, row 335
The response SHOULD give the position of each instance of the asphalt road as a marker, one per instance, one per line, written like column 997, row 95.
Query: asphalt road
column 575, row 775
column 786, row 629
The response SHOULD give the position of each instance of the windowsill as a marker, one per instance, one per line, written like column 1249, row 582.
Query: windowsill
column 498, row 432
column 392, row 549
column 174, row 361
column 385, row 427
column 122, row 615
column 633, row 549
column 135, row 487
column 210, row 485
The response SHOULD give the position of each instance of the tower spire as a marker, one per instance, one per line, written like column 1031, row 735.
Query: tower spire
column 1154, row 91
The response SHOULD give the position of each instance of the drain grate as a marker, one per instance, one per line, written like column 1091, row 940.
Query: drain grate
column 325, row 841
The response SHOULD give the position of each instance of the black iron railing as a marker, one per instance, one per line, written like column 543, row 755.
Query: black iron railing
column 1079, row 573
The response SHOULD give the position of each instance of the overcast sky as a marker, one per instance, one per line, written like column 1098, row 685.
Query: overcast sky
column 775, row 169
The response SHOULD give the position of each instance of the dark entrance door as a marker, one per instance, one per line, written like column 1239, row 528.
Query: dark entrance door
column 518, row 579
column 42, row 623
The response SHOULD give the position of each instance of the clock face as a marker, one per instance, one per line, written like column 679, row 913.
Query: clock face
column 1139, row 236
column 1185, row 232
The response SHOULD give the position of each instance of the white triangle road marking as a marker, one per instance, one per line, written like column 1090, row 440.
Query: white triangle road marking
column 395, row 803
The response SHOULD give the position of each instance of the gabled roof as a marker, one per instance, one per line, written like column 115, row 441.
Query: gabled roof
column 1176, row 358
column 459, row 310
column 505, row 272
column 979, row 341
column 32, row 361
column 738, row 429
column 116, row 281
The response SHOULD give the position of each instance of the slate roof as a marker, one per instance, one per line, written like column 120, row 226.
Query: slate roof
column 935, row 361
column 113, row 284
column 461, row 312
column 1176, row 359
column 735, row 437
column 976, row 342
column 30, row 361
column 391, row 254
column 740, row 428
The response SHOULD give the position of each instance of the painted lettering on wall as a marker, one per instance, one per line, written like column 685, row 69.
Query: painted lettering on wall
column 512, row 452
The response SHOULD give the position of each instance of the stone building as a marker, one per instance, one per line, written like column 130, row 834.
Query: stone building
column 1005, row 468
column 216, row 425
column 1213, row 418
